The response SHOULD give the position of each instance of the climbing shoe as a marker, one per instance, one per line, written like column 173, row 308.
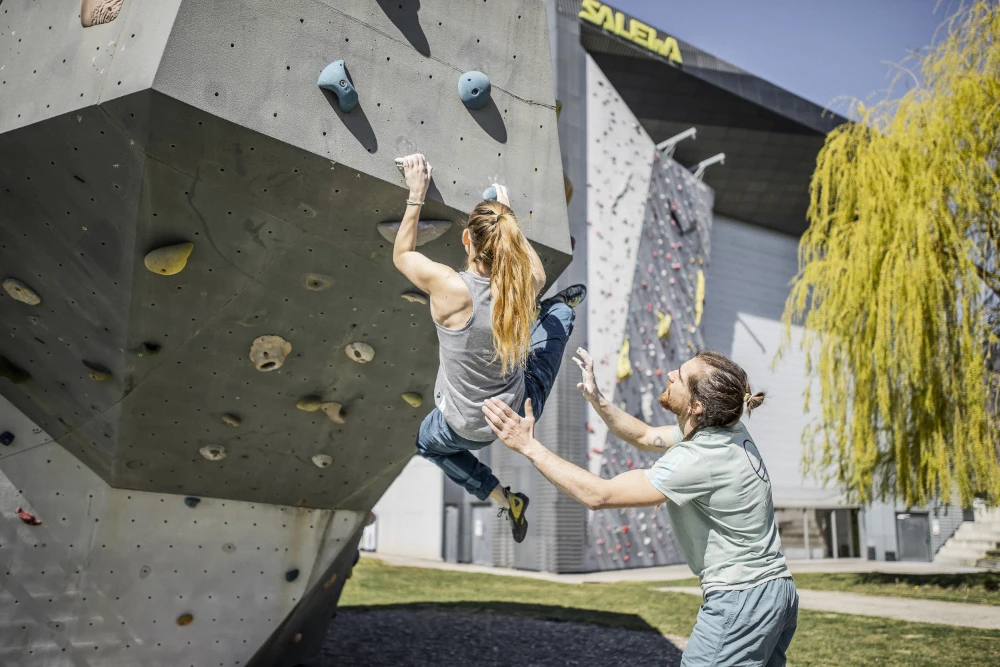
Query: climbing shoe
column 572, row 296
column 515, row 513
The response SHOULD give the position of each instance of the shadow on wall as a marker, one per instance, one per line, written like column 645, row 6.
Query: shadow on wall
column 355, row 120
column 490, row 633
column 491, row 120
column 404, row 14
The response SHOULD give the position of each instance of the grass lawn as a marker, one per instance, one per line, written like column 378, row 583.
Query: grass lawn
column 822, row 638
column 974, row 588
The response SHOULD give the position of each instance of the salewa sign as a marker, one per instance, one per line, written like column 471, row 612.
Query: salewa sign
column 615, row 22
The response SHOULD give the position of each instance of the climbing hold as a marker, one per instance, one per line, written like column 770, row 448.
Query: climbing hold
column 232, row 420
column 21, row 292
column 309, row 403
column 624, row 365
column 415, row 297
column 360, row 352
column 335, row 411
column 192, row 502
column 663, row 326
column 334, row 78
column 297, row 637
column 329, row 582
column 185, row 619
column 474, row 89
column 97, row 12
column 229, row 547
column 6, row 438
column 292, row 574
column 322, row 460
column 144, row 571
column 317, row 282
column 170, row 259
column 213, row 452
column 427, row 230
column 12, row 372
column 699, row 298
column 28, row 517
column 568, row 187
column 558, row 109
column 268, row 352
column 145, row 350
column 413, row 399
column 97, row 373
column 490, row 194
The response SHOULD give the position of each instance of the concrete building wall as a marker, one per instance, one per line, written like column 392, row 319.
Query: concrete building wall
column 410, row 515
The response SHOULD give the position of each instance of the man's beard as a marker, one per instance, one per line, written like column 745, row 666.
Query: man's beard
column 669, row 403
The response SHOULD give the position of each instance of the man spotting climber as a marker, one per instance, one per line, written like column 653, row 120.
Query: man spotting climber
column 718, row 495
column 494, row 338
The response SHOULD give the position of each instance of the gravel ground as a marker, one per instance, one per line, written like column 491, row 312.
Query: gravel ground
column 434, row 638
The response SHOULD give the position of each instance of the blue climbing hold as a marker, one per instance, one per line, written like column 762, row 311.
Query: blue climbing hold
column 334, row 78
column 6, row 438
column 474, row 89
column 192, row 502
column 292, row 574
column 490, row 193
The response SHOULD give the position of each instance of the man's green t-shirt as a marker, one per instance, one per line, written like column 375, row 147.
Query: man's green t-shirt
column 721, row 508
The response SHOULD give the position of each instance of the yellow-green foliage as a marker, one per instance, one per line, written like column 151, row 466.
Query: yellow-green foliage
column 898, row 279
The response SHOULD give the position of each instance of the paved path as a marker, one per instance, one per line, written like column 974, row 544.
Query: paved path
column 982, row 616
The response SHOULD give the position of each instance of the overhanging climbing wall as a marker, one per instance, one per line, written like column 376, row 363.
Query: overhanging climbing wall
column 651, row 249
column 199, row 305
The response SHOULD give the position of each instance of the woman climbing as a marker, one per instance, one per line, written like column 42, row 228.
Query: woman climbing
column 495, row 339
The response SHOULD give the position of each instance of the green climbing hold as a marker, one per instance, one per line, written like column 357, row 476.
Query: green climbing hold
column 334, row 78
column 192, row 502
column 474, row 89
column 170, row 259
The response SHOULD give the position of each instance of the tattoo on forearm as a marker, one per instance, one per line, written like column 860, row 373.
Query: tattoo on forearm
column 659, row 443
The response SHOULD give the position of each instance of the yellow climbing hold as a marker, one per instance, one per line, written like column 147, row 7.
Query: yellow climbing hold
column 309, row 403
column 185, row 619
column 232, row 420
column 624, row 365
column 170, row 259
column 97, row 373
column 663, row 326
column 699, row 298
column 21, row 292
column 413, row 399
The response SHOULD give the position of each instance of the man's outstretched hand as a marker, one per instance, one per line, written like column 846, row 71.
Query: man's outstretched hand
column 588, row 383
column 515, row 431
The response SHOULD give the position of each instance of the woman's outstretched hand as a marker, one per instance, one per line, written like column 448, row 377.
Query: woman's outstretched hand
column 515, row 431
column 417, row 172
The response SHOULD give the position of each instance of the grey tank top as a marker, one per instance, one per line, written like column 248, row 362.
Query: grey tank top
column 468, row 374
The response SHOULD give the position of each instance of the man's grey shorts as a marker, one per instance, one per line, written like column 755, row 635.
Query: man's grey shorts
column 749, row 627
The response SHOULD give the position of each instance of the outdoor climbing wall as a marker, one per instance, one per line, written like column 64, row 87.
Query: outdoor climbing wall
column 174, row 187
column 619, row 162
column 650, row 269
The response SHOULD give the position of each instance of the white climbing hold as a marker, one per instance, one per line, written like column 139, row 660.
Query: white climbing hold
column 322, row 460
column 360, row 352
column 427, row 230
column 268, row 352
column 415, row 297
column 335, row 411
column 213, row 452
column 21, row 292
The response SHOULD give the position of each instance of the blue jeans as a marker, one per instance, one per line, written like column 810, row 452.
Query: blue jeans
column 752, row 627
column 437, row 442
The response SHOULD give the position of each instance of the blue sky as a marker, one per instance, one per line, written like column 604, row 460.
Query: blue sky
column 817, row 49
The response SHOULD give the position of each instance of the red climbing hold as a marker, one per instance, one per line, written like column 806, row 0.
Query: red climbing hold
column 625, row 529
column 625, row 558
column 28, row 517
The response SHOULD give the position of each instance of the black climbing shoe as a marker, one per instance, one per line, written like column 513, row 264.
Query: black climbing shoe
column 515, row 515
column 572, row 296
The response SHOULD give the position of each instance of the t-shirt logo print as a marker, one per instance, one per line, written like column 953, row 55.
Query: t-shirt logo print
column 756, row 461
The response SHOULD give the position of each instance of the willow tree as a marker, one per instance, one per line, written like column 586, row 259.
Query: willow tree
column 898, row 287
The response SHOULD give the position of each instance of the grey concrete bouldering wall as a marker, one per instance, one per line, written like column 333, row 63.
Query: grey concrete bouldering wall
column 192, row 122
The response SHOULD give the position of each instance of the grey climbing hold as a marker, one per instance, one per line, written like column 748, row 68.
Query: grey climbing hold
column 97, row 373
column 13, row 372
column 213, row 452
column 413, row 399
column 292, row 574
column 317, row 282
column 360, row 352
column 268, row 352
column 169, row 260
column 490, row 194
column 309, row 403
column 229, row 547
column 415, row 297
column 144, row 350
column 232, row 420
column 145, row 571
column 474, row 89
column 6, row 438
column 192, row 502
column 427, row 230
column 21, row 292
column 322, row 460
column 334, row 78
column 335, row 411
